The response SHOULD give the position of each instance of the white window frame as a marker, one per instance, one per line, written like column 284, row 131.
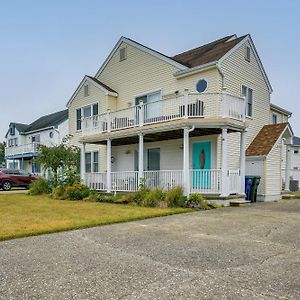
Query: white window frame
column 93, row 162
column 206, row 85
column 274, row 118
column 82, row 115
column 247, row 101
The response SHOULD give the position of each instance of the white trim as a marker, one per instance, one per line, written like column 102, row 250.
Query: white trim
column 195, row 70
column 252, row 46
column 142, row 48
column 87, row 79
column 279, row 109
column 246, row 101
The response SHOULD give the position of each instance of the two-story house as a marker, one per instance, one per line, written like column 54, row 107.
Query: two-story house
column 22, row 140
column 176, row 120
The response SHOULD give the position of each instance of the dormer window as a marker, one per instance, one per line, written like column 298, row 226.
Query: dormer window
column 12, row 129
column 247, row 53
column 86, row 90
column 123, row 53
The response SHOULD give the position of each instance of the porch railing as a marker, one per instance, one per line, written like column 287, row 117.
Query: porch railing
column 201, row 181
column 205, row 181
column 22, row 149
column 126, row 181
column 205, row 105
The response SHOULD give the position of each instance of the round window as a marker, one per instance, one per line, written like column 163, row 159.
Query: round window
column 51, row 135
column 201, row 85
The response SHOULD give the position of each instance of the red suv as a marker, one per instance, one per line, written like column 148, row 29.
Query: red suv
column 12, row 177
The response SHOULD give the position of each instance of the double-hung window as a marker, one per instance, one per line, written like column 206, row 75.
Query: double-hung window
column 274, row 119
column 86, row 112
column 247, row 93
column 91, row 162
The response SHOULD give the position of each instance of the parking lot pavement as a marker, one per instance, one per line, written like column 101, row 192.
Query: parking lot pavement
column 230, row 253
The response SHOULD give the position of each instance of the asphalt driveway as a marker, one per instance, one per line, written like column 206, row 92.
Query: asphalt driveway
column 230, row 253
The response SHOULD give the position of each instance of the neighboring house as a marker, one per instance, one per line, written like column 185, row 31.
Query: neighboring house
column 22, row 140
column 182, row 120
column 295, row 159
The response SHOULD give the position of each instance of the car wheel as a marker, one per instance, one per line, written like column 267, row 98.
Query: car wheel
column 6, row 185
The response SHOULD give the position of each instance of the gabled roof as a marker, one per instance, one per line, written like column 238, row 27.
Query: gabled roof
column 280, row 109
column 21, row 127
column 266, row 139
column 296, row 141
column 210, row 54
column 48, row 121
column 207, row 53
column 97, row 83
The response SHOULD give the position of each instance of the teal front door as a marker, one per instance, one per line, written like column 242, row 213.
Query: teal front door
column 201, row 165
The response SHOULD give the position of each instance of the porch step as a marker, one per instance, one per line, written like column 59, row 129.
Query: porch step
column 288, row 196
column 239, row 202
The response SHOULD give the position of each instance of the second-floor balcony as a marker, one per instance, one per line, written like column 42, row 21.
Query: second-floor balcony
column 26, row 149
column 206, row 106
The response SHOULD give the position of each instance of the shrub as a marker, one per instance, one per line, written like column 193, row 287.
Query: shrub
column 40, row 186
column 175, row 197
column 153, row 198
column 77, row 191
column 59, row 192
column 105, row 198
column 197, row 201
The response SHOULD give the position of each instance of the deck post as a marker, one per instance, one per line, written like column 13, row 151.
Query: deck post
column 186, row 159
column 186, row 102
column 82, row 162
column 141, row 113
column 108, row 120
column 242, row 161
column 108, row 162
column 225, row 178
column 141, row 157
column 287, row 168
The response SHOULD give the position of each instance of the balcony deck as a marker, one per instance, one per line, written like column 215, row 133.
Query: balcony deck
column 206, row 111
column 21, row 151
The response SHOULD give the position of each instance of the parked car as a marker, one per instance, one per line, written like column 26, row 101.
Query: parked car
column 15, row 178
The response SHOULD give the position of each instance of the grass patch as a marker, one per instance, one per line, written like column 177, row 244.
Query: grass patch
column 297, row 194
column 24, row 215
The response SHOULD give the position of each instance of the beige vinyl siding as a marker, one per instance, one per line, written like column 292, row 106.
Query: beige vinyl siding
column 141, row 73
column 96, row 95
column 256, row 167
column 281, row 118
column 273, row 171
column 237, row 72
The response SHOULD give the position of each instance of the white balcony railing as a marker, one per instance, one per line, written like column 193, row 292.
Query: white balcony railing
column 23, row 149
column 206, row 105
column 201, row 181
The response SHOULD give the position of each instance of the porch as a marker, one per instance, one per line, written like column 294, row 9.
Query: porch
column 202, row 181
column 194, row 158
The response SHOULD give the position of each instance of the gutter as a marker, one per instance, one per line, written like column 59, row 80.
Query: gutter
column 221, row 73
column 194, row 70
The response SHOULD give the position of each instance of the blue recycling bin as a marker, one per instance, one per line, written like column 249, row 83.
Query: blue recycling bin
column 248, row 184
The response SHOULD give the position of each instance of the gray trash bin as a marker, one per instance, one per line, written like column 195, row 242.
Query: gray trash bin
column 294, row 185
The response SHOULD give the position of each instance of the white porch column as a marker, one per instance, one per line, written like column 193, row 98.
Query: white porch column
column 141, row 157
column 225, row 178
column 186, row 160
column 243, row 161
column 287, row 168
column 82, row 162
column 108, row 167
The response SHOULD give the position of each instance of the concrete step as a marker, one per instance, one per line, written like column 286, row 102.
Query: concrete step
column 239, row 202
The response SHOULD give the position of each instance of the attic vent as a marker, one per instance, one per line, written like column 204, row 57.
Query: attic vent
column 123, row 54
column 86, row 90
column 247, row 53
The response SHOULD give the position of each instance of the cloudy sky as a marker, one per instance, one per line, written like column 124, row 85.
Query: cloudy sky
column 48, row 46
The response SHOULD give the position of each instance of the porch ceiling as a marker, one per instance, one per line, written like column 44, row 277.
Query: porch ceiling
column 162, row 136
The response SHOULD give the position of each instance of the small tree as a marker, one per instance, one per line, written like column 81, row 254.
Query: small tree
column 61, row 157
column 2, row 153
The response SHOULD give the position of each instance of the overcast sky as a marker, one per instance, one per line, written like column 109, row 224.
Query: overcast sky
column 46, row 47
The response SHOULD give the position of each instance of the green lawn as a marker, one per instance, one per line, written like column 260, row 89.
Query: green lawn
column 23, row 215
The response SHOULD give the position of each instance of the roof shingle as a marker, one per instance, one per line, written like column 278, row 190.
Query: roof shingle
column 265, row 139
